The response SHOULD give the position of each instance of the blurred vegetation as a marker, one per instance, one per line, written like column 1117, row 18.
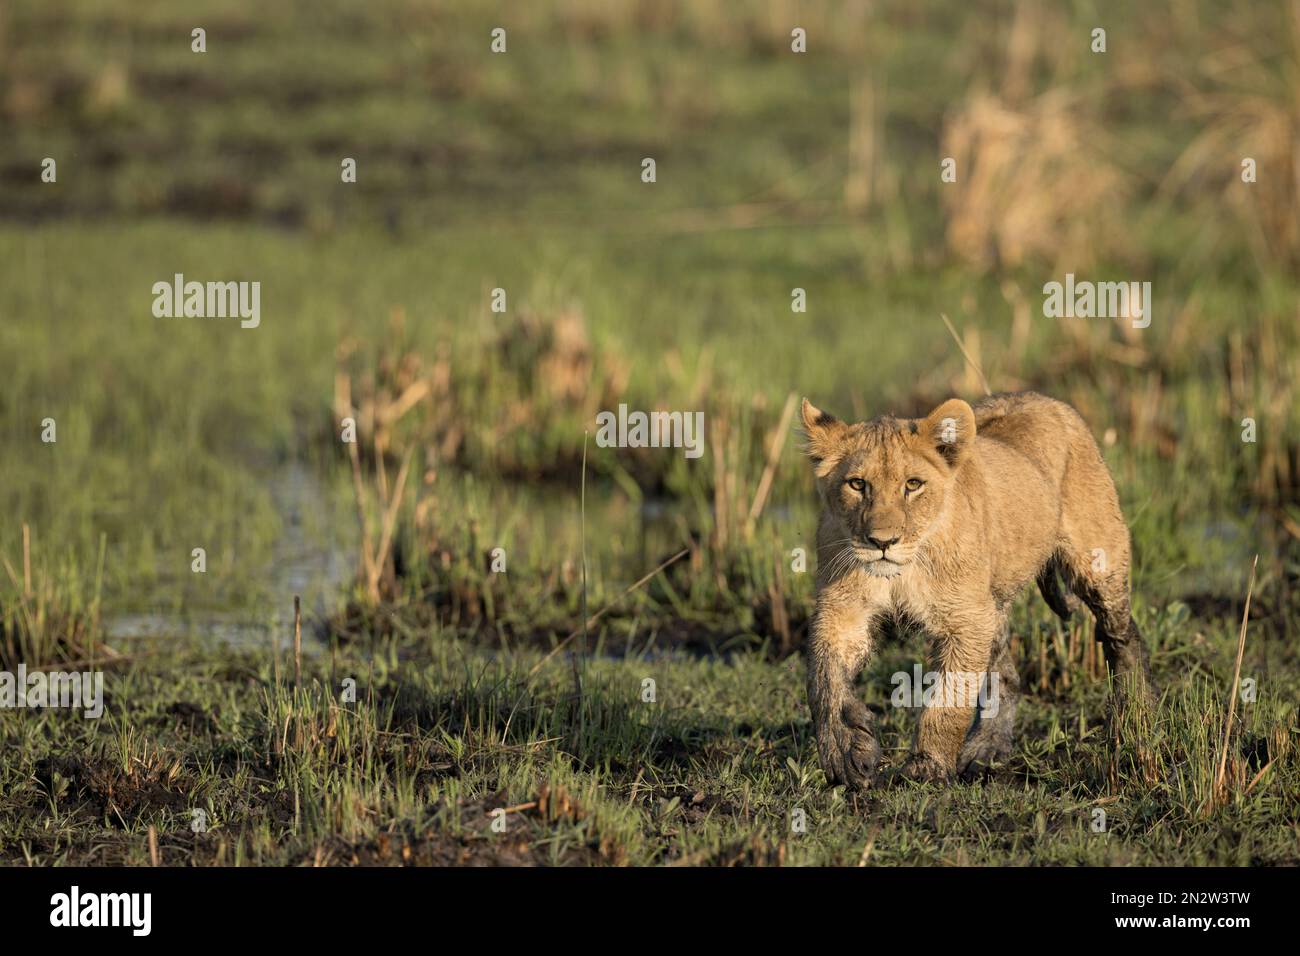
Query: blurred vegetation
column 775, row 171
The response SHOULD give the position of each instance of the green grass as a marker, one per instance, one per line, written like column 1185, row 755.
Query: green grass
column 710, row 772
column 522, row 172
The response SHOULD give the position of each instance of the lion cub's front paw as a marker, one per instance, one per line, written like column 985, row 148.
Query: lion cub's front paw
column 922, row 768
column 848, row 747
column 981, row 753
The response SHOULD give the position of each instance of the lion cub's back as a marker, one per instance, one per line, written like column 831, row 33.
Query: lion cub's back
column 1044, row 430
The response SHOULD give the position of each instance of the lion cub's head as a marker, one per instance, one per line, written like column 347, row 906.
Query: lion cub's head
column 883, row 483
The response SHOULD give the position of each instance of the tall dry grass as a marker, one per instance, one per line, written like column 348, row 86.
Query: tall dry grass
column 1036, row 182
column 1247, row 105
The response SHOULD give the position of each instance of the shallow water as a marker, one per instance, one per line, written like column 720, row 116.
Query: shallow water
column 314, row 557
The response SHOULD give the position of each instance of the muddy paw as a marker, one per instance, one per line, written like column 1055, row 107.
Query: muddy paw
column 922, row 768
column 848, row 748
column 979, row 755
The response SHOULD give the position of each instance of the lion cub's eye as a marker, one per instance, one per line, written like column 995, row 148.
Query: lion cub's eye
column 914, row 484
column 857, row 484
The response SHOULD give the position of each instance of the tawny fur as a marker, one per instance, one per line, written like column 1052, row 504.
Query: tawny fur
column 969, row 505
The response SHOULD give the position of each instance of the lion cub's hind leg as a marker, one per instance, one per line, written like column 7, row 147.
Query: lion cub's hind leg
column 1121, row 641
column 991, row 740
column 1094, row 559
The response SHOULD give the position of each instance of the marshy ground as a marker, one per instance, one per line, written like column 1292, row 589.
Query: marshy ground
column 448, row 712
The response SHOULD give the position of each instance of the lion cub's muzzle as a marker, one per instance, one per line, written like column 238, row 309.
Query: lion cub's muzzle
column 882, row 554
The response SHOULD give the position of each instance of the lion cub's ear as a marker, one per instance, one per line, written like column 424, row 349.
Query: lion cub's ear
column 951, row 427
column 823, row 432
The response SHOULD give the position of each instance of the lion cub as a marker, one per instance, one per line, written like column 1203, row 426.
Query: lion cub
column 940, row 522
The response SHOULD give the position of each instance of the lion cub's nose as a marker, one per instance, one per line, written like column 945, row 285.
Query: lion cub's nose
column 882, row 543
